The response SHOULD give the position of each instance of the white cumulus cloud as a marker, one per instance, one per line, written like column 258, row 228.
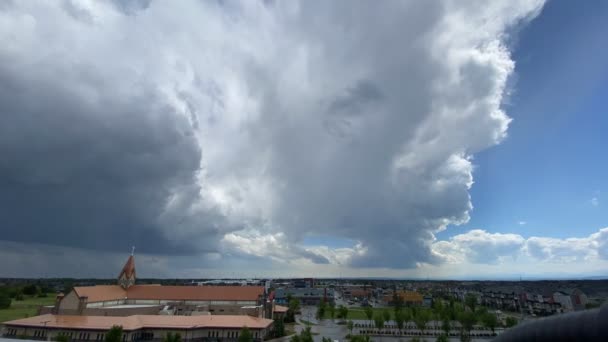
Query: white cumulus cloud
column 240, row 128
column 481, row 247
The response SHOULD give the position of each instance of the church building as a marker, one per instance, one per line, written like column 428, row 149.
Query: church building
column 128, row 298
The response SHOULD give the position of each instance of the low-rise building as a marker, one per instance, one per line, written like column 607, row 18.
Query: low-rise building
column 279, row 312
column 408, row 298
column 306, row 296
column 357, row 293
column 138, row 327
column 571, row 299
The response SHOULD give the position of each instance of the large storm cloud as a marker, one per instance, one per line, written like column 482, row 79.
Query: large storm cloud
column 201, row 126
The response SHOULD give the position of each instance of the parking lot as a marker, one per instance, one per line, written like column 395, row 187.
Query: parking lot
column 330, row 328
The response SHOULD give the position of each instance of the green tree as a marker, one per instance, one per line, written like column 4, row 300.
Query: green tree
column 421, row 319
column 407, row 314
column 511, row 322
column 325, row 339
column 245, row 335
column 304, row 336
column 386, row 315
column 30, row 290
column 360, row 338
column 294, row 304
column 379, row 321
column 342, row 312
column 400, row 320
column 279, row 328
column 442, row 338
column 293, row 308
column 332, row 310
column 114, row 334
column 489, row 320
column 369, row 312
column 350, row 325
column 321, row 310
column 471, row 301
column 438, row 306
column 289, row 298
column 481, row 311
column 467, row 319
column 5, row 301
column 446, row 326
column 172, row 337
column 62, row 338
column 465, row 337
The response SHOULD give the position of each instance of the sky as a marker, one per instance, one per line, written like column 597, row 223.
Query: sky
column 437, row 139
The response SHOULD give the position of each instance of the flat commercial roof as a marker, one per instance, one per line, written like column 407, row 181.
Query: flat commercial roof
column 136, row 322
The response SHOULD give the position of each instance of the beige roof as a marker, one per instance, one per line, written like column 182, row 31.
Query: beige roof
column 101, row 293
column 279, row 308
column 142, row 321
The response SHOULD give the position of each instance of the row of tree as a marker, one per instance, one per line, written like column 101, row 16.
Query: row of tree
column 467, row 313
column 329, row 309
column 19, row 291
column 306, row 336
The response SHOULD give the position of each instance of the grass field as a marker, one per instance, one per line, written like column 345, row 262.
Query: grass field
column 24, row 308
column 358, row 313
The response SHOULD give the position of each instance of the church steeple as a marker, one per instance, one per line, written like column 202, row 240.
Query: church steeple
column 126, row 278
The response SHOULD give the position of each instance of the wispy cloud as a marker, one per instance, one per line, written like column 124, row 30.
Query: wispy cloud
column 594, row 201
column 522, row 223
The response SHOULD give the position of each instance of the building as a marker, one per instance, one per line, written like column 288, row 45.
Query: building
column 427, row 301
column 279, row 312
column 306, row 296
column 138, row 327
column 127, row 298
column 304, row 283
column 571, row 300
column 501, row 300
column 408, row 298
column 357, row 293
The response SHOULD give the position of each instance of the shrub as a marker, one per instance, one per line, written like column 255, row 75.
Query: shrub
column 62, row 338
column 114, row 334
column 5, row 301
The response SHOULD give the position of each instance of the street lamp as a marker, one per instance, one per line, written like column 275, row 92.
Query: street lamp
column 44, row 330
